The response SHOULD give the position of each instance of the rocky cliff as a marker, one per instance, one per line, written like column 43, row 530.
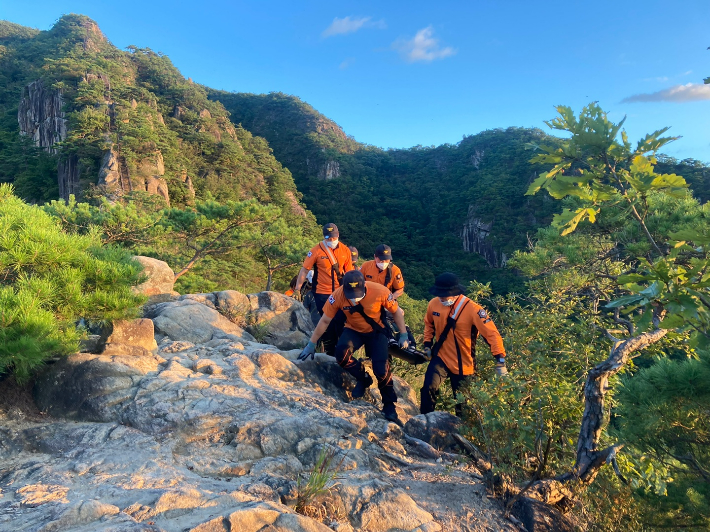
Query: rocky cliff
column 473, row 236
column 40, row 116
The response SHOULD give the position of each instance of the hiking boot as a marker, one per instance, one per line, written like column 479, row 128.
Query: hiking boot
column 361, row 387
column 389, row 410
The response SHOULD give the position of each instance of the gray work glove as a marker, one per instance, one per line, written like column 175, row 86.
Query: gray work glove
column 403, row 340
column 309, row 350
column 501, row 370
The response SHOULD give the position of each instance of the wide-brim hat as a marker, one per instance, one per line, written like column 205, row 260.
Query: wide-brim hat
column 447, row 285
column 353, row 284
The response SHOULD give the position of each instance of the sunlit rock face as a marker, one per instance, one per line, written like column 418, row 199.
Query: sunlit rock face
column 209, row 431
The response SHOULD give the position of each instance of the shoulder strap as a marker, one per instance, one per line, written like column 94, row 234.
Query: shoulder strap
column 335, row 272
column 450, row 324
column 388, row 275
column 371, row 322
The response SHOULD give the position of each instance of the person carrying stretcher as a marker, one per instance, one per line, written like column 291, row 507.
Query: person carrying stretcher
column 363, row 303
column 330, row 260
column 456, row 322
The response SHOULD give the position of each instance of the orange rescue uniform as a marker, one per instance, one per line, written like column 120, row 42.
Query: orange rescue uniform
column 472, row 320
column 374, row 274
column 376, row 298
column 325, row 280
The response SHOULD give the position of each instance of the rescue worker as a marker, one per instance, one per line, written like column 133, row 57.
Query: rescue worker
column 456, row 322
column 355, row 256
column 305, row 287
column 330, row 260
column 383, row 271
column 363, row 302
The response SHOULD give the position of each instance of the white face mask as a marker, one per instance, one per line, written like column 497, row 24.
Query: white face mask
column 332, row 244
column 357, row 300
column 382, row 265
column 447, row 302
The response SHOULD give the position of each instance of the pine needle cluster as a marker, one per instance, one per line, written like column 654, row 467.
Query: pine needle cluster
column 49, row 280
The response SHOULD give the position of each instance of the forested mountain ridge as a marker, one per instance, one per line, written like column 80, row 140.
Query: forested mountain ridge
column 122, row 119
column 97, row 121
column 79, row 117
column 462, row 205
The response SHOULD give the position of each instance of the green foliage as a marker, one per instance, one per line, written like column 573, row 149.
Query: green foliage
column 281, row 247
column 663, row 410
column 653, row 275
column 320, row 481
column 48, row 280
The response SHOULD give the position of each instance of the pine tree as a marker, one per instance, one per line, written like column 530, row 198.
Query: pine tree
column 50, row 279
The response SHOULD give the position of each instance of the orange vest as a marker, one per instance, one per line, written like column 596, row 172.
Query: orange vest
column 459, row 349
column 374, row 274
column 376, row 298
column 325, row 280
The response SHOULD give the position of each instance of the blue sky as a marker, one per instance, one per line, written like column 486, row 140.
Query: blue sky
column 398, row 74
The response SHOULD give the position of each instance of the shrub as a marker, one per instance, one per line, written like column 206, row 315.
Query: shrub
column 49, row 280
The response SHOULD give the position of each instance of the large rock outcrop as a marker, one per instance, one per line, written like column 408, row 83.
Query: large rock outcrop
column 198, row 436
column 116, row 178
column 160, row 278
column 473, row 235
column 213, row 436
column 271, row 317
column 41, row 117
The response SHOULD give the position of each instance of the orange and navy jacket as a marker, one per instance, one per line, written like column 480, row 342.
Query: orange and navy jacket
column 459, row 349
column 325, row 280
column 376, row 298
column 374, row 274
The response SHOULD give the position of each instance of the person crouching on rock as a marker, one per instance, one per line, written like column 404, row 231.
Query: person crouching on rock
column 456, row 321
column 363, row 303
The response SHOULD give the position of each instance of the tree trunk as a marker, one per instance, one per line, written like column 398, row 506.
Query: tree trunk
column 268, row 280
column 589, row 458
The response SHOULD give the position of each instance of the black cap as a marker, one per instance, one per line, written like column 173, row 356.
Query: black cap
column 353, row 284
column 354, row 252
column 383, row 252
column 447, row 285
column 330, row 231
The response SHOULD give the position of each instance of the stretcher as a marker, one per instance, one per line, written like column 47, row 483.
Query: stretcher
column 411, row 355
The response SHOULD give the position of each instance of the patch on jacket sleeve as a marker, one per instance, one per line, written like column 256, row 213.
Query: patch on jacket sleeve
column 436, row 313
column 390, row 297
column 331, row 300
column 482, row 314
column 399, row 276
column 310, row 253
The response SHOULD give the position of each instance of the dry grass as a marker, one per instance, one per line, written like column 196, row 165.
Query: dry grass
column 313, row 492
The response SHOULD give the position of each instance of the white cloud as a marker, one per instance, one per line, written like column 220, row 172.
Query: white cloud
column 660, row 79
column 345, row 25
column 423, row 47
column 690, row 92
